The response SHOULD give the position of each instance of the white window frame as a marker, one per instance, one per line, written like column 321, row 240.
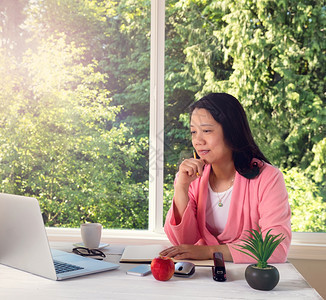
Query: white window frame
column 304, row 245
column 156, row 133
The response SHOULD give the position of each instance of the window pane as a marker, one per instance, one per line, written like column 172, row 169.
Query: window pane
column 74, row 109
column 216, row 47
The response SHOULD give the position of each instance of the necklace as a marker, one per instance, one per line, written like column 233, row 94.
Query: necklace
column 225, row 194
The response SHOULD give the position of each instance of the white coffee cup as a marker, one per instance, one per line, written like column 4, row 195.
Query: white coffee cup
column 91, row 234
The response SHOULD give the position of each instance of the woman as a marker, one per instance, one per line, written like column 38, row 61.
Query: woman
column 230, row 189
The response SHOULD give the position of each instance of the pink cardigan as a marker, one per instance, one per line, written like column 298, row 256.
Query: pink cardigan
column 262, row 200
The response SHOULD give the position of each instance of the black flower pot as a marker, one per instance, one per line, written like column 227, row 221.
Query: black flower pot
column 262, row 279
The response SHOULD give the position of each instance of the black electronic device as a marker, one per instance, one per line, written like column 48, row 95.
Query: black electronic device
column 219, row 272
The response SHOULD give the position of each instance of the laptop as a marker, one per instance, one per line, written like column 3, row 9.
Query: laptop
column 24, row 244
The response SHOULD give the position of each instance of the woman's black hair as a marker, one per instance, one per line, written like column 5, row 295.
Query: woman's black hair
column 227, row 111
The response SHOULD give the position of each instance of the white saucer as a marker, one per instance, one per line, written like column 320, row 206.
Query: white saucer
column 101, row 246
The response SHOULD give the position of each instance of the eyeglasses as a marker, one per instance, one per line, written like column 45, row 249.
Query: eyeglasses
column 88, row 252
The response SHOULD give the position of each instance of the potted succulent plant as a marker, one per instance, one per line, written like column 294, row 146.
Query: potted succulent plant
column 261, row 275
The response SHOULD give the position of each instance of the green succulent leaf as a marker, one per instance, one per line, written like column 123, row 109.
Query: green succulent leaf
column 258, row 247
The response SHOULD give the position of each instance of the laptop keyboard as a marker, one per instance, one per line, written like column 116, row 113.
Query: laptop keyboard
column 61, row 267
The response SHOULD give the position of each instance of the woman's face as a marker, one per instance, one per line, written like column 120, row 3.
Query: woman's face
column 208, row 138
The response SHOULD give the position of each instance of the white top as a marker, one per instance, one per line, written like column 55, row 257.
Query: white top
column 216, row 216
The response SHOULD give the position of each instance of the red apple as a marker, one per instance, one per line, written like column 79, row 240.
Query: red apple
column 162, row 268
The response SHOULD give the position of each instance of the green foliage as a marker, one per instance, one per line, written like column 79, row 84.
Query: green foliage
column 307, row 204
column 269, row 55
column 63, row 145
column 258, row 247
column 318, row 165
column 74, row 98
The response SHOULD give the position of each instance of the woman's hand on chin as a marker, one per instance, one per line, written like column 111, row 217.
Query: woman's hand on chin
column 183, row 251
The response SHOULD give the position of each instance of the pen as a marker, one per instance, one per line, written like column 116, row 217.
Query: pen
column 195, row 156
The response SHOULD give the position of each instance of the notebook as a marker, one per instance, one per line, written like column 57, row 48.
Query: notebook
column 24, row 244
column 146, row 253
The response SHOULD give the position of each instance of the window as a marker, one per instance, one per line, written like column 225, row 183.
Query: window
column 215, row 46
column 74, row 109
column 76, row 104
column 219, row 47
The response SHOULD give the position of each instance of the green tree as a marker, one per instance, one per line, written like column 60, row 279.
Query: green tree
column 64, row 146
column 271, row 56
column 117, row 35
column 307, row 205
column 74, row 111
column 12, row 36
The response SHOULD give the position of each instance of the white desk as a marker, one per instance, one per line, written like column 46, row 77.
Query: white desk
column 15, row 284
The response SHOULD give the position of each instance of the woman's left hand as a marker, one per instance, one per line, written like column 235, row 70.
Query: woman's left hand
column 188, row 252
